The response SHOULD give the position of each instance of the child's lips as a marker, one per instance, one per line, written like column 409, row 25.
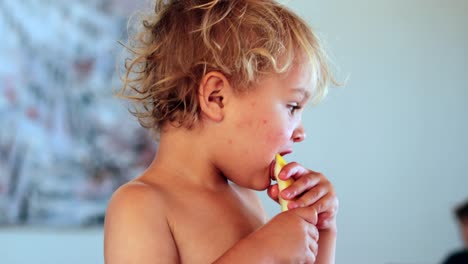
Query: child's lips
column 272, row 170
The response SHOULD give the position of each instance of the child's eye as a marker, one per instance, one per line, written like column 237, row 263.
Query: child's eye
column 293, row 108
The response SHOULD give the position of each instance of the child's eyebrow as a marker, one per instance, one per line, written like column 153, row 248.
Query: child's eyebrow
column 304, row 92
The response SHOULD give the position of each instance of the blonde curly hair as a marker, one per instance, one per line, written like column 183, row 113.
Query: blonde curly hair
column 182, row 40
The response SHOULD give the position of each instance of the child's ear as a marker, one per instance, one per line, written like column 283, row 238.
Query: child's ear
column 213, row 93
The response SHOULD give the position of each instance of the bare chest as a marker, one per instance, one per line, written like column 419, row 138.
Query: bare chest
column 204, row 228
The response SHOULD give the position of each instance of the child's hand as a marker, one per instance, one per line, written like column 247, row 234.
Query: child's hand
column 309, row 189
column 290, row 237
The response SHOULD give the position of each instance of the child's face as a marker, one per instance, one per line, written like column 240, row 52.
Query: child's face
column 262, row 122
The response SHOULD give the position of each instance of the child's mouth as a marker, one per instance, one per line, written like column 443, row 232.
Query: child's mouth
column 272, row 170
column 272, row 164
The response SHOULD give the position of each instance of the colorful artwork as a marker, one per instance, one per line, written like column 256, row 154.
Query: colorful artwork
column 66, row 143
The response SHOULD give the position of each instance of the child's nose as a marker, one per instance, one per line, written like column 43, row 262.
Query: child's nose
column 299, row 134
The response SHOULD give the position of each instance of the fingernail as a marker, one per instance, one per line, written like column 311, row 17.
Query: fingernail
column 292, row 205
column 280, row 175
column 287, row 194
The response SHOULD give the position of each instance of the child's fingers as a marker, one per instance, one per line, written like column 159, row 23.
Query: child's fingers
column 313, row 238
column 310, row 197
column 304, row 183
column 325, row 220
column 313, row 232
column 292, row 169
column 273, row 192
column 328, row 204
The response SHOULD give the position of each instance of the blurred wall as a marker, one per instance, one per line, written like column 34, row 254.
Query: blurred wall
column 36, row 245
column 393, row 140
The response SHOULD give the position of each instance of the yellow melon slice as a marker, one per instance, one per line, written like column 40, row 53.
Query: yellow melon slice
column 279, row 164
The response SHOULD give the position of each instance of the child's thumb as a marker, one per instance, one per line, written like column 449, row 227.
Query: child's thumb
column 273, row 192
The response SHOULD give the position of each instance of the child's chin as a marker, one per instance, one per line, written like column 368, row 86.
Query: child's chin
column 261, row 185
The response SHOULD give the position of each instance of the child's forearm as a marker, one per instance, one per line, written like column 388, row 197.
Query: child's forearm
column 326, row 247
column 245, row 251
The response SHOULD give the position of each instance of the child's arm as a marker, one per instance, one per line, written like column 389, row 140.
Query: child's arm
column 314, row 190
column 326, row 247
column 136, row 229
column 290, row 237
column 135, row 234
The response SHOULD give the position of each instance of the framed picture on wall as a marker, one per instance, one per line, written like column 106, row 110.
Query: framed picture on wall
column 66, row 143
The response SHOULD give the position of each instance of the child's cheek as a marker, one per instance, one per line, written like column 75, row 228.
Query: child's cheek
column 276, row 137
column 244, row 125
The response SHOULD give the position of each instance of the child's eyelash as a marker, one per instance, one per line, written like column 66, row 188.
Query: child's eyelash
column 294, row 107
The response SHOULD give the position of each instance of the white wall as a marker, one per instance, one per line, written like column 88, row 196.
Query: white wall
column 393, row 140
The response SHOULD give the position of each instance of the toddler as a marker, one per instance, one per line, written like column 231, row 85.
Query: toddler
column 223, row 85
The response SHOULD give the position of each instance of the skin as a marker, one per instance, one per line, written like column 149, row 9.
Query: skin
column 196, row 202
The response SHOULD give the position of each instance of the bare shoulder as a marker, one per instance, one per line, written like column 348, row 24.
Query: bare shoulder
column 137, row 190
column 136, row 229
column 139, row 198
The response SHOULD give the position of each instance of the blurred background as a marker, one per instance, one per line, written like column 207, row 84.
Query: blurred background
column 393, row 140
